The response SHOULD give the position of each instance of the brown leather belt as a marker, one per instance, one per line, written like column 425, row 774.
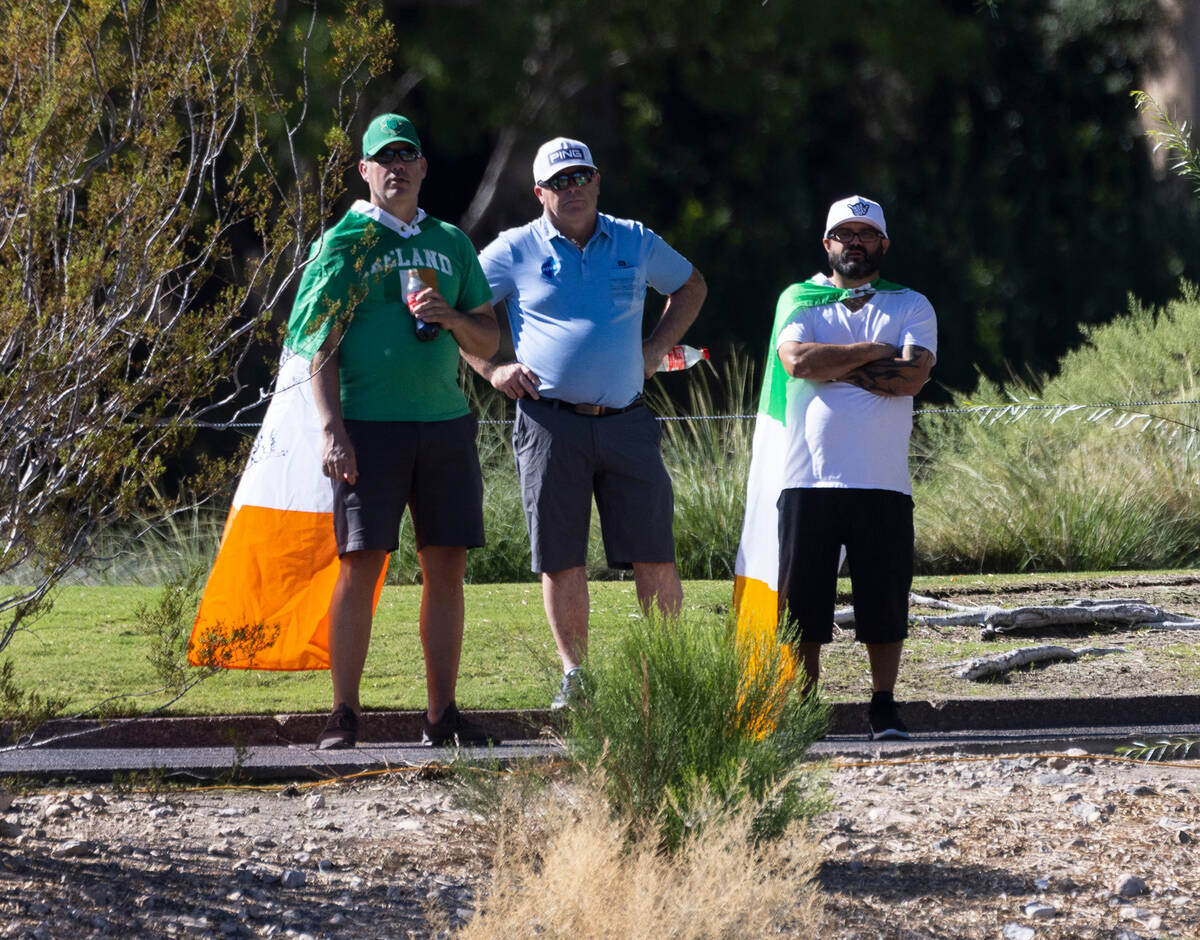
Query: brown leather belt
column 594, row 411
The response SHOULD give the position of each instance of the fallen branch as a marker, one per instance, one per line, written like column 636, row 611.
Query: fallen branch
column 984, row 667
column 994, row 621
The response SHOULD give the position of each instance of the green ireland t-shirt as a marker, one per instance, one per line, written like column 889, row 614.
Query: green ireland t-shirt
column 355, row 277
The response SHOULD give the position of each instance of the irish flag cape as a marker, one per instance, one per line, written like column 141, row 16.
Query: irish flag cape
column 266, row 603
column 756, row 572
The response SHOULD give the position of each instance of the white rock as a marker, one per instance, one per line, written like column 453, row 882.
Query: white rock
column 1037, row 910
column 1015, row 931
column 1088, row 812
column 293, row 879
column 315, row 801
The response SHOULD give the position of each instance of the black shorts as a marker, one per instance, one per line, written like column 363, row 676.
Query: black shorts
column 430, row 466
column 564, row 458
column 876, row 527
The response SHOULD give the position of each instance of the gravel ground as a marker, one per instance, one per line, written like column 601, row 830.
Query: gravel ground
column 1022, row 847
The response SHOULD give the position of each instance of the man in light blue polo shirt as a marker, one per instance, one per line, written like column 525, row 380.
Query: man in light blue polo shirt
column 574, row 284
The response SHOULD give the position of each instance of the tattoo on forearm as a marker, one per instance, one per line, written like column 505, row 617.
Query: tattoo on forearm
column 890, row 376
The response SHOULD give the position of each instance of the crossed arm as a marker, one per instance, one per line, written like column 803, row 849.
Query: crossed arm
column 879, row 368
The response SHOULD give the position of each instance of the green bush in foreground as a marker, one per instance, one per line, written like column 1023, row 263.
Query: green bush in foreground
column 675, row 718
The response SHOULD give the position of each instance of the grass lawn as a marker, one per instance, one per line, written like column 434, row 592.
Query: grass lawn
column 92, row 646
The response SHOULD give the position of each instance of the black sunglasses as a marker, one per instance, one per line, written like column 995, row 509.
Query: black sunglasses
column 570, row 178
column 388, row 154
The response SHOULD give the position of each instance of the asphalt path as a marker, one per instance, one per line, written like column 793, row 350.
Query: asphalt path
column 255, row 747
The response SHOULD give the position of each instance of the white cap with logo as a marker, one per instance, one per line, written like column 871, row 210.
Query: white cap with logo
column 856, row 209
column 560, row 154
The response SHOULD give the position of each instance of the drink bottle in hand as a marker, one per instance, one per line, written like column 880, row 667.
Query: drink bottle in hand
column 412, row 285
column 681, row 357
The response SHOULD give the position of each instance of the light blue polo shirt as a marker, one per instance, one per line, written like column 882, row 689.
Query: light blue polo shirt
column 576, row 316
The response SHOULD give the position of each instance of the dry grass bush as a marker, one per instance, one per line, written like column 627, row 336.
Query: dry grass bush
column 564, row 867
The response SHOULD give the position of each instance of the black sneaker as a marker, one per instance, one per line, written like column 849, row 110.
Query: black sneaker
column 885, row 724
column 341, row 730
column 569, row 691
column 454, row 729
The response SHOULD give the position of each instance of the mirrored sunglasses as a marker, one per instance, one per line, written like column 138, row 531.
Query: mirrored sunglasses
column 570, row 178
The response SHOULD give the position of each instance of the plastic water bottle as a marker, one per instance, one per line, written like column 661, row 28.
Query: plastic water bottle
column 682, row 357
column 412, row 285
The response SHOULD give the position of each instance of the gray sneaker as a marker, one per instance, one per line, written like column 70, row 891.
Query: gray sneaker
column 569, row 691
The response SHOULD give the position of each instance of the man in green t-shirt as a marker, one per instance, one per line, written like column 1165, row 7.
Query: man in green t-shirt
column 396, row 427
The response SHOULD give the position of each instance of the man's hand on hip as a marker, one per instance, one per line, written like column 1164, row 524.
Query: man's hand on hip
column 515, row 380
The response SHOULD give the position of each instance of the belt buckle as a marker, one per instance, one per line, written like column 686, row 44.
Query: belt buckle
column 589, row 409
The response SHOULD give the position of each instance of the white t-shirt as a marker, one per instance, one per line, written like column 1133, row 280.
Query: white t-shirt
column 839, row 435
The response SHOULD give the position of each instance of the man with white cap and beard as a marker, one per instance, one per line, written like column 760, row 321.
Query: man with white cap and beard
column 861, row 348
column 574, row 284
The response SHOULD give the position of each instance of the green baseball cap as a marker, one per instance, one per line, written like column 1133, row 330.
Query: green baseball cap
column 387, row 129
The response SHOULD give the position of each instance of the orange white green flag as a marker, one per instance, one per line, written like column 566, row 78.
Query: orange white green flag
column 274, row 573
column 756, row 571
column 266, row 603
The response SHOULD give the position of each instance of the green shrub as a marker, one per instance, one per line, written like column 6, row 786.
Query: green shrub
column 673, row 718
column 1072, row 488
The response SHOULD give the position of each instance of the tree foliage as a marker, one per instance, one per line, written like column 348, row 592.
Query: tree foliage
column 155, row 207
column 997, row 135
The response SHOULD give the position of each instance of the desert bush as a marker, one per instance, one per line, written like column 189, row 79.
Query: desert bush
column 685, row 713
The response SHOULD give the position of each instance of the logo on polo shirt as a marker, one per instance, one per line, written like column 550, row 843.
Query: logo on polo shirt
column 550, row 268
column 567, row 155
column 860, row 207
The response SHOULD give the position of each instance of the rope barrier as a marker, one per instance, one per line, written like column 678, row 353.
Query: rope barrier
column 1014, row 407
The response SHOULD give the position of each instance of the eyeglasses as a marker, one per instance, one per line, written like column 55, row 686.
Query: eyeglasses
column 846, row 236
column 571, row 178
column 388, row 154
